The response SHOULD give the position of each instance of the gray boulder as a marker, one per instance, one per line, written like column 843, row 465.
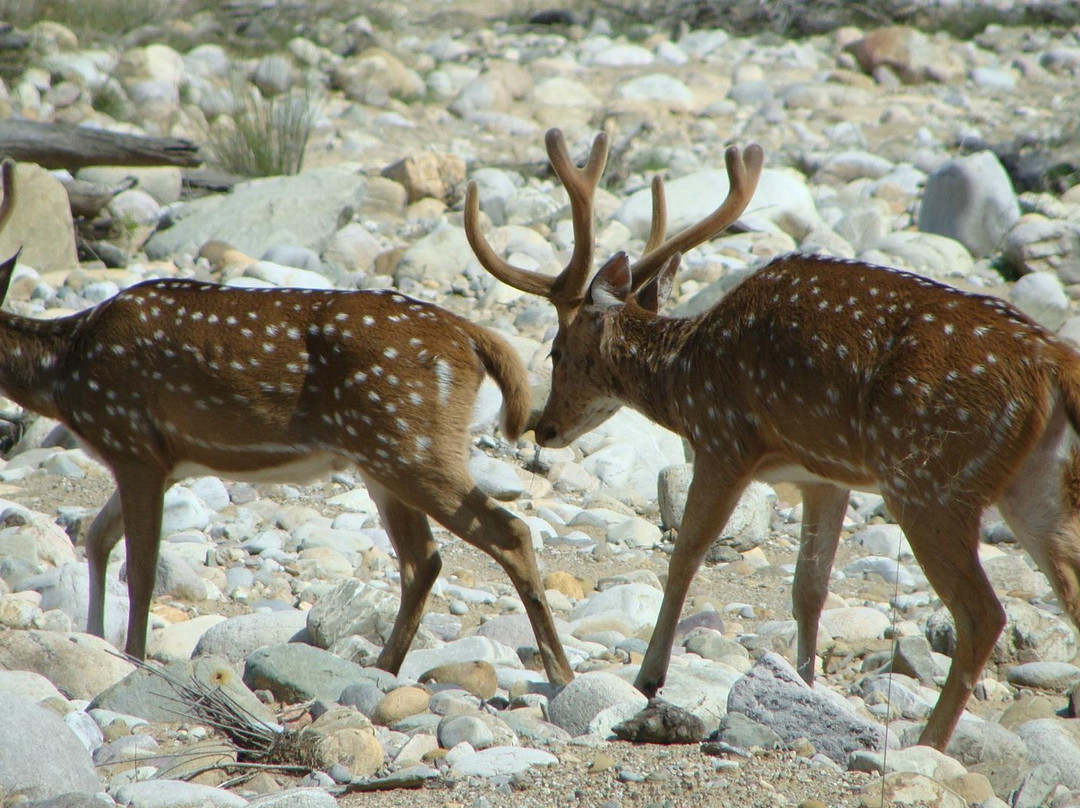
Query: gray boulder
column 40, row 757
column 238, row 637
column 970, row 199
column 301, row 211
column 772, row 694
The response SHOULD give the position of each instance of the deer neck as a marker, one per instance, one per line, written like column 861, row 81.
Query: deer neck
column 32, row 353
column 650, row 365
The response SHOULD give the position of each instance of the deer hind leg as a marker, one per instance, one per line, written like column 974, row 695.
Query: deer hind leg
column 1042, row 507
column 455, row 502
column 141, row 491
column 824, row 507
column 945, row 541
column 102, row 535
column 714, row 491
column 420, row 564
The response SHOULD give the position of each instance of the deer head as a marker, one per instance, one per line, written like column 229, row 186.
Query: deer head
column 622, row 292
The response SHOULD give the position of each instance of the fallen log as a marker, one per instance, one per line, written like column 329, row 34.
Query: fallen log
column 52, row 145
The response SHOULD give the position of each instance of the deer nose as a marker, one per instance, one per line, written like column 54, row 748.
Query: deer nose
column 545, row 433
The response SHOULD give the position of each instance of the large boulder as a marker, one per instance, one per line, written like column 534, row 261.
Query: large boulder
column 40, row 223
column 40, row 757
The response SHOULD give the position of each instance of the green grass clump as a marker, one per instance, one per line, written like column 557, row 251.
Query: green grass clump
column 265, row 136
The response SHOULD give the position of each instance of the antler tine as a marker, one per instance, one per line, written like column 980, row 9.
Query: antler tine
column 580, row 185
column 7, row 184
column 526, row 280
column 743, row 170
column 658, row 229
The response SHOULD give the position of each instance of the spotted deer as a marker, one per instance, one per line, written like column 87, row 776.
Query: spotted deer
column 172, row 378
column 833, row 375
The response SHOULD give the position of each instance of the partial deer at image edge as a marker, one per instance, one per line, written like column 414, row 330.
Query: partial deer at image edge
column 172, row 378
column 832, row 375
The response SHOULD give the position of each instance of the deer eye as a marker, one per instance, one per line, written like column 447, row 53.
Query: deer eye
column 555, row 355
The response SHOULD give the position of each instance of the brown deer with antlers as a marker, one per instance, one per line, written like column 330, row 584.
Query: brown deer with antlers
column 174, row 377
column 832, row 375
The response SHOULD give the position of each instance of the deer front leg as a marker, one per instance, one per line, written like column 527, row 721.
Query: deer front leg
column 824, row 507
column 714, row 492
column 103, row 534
column 419, row 563
column 141, row 491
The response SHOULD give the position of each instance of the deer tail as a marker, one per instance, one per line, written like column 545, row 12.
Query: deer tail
column 504, row 365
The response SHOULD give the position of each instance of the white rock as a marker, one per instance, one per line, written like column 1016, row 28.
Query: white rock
column 636, row 604
column 1042, row 297
column 468, row 649
column 885, row 540
column 500, row 761
column 576, row 706
column 183, row 511
column 855, row 623
column 971, row 199
column 635, row 532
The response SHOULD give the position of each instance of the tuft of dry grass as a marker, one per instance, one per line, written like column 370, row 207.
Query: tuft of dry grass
column 264, row 136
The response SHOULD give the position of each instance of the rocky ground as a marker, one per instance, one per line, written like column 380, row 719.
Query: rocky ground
column 947, row 154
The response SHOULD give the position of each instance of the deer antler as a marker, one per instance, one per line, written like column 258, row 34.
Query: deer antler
column 743, row 170
column 580, row 184
column 7, row 184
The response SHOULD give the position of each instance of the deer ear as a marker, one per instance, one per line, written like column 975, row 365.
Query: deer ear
column 611, row 286
column 655, row 293
column 7, row 270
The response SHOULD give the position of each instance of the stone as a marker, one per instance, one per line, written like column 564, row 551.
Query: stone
column 439, row 257
column 739, row 731
column 236, row 638
column 475, row 676
column 855, row 623
column 783, row 202
column 908, row 53
column 1055, row 676
column 915, row 658
column 40, row 223
column 427, row 174
column 565, row 583
column 152, row 696
column 295, row 798
column 586, row 696
column 909, row 788
column 662, row 723
column 970, row 199
column 352, row 607
column 470, row 729
column 1042, row 297
column 922, row 760
column 345, row 737
column 78, row 664
column 1030, row 635
column 302, row 210
column 500, row 761
column 1056, row 742
column 636, row 604
column 30, row 736
column 1036, row 243
column 496, row 478
column 400, row 703
column 295, row 672
column 635, row 533
column 175, row 794
column 774, row 695
column 467, row 649
column 176, row 641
